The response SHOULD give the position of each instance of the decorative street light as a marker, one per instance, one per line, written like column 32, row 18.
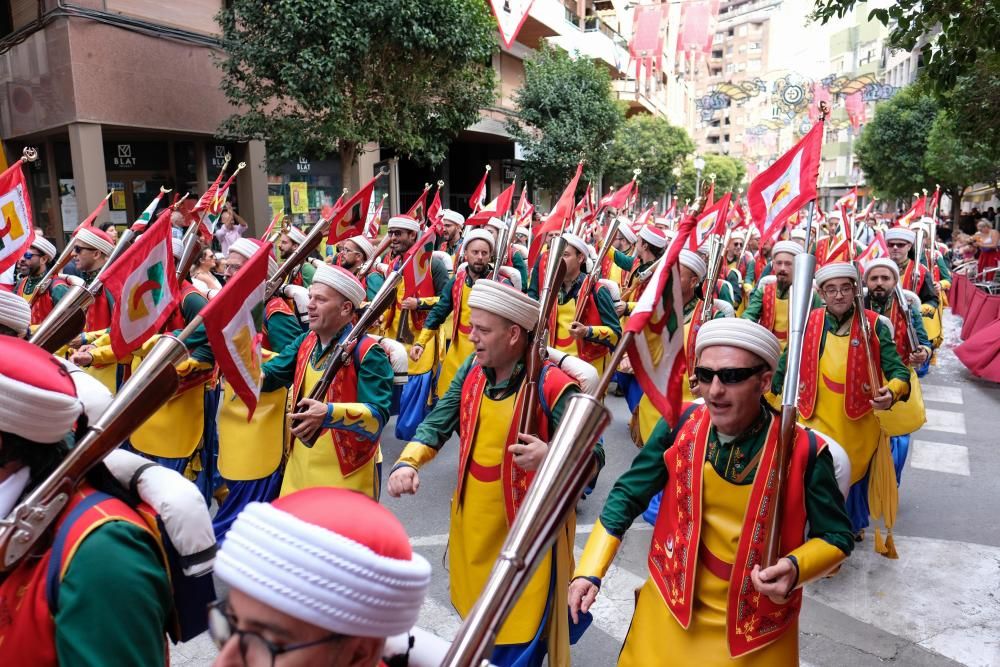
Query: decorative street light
column 699, row 165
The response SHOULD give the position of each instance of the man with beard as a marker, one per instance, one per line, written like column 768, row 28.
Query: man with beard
column 899, row 241
column 477, row 250
column 453, row 223
column 352, row 253
column 32, row 267
column 768, row 304
column 290, row 240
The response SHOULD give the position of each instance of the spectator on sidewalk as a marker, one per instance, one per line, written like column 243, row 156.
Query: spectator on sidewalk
column 231, row 227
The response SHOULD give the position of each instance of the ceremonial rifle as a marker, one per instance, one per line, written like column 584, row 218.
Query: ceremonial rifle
column 904, row 306
column 341, row 353
column 918, row 251
column 383, row 245
column 716, row 254
column 504, row 236
column 150, row 387
column 594, row 276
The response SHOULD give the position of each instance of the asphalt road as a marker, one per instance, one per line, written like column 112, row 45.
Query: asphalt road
column 936, row 605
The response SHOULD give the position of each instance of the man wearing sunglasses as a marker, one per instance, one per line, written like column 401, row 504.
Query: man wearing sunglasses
column 321, row 576
column 836, row 395
column 703, row 602
column 899, row 241
column 32, row 268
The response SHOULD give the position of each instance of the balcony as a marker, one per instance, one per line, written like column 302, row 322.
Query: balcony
column 639, row 102
column 545, row 19
column 598, row 42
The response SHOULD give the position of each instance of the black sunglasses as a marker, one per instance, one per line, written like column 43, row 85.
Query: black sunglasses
column 727, row 375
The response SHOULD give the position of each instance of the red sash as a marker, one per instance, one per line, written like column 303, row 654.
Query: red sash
column 857, row 390
column 906, row 280
column 752, row 620
column 768, row 305
column 353, row 450
column 99, row 313
column 692, row 336
column 899, row 322
column 552, row 383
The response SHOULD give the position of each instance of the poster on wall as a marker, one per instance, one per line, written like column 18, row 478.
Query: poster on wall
column 276, row 202
column 117, row 212
column 67, row 204
column 299, row 193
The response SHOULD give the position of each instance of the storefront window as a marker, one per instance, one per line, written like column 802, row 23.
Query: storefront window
column 303, row 188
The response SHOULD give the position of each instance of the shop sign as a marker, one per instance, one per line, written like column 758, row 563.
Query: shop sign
column 217, row 156
column 124, row 157
column 303, row 166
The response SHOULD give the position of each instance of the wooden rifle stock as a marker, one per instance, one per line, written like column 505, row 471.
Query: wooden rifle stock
column 783, row 458
column 298, row 256
column 866, row 332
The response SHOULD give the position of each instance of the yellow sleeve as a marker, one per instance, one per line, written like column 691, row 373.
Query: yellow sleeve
column 355, row 417
column 102, row 339
column 816, row 558
column 416, row 454
column 425, row 337
column 899, row 388
column 103, row 355
column 597, row 555
column 192, row 365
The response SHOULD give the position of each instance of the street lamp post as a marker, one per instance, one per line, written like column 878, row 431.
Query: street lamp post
column 699, row 165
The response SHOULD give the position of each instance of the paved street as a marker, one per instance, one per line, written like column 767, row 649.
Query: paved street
column 937, row 605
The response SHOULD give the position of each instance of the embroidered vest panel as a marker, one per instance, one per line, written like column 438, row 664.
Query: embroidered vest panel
column 275, row 306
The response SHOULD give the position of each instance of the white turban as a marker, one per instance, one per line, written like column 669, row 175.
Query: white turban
column 836, row 270
column 342, row 281
column 798, row 234
column 901, row 234
column 578, row 243
column 96, row 239
column 364, row 245
column 507, row 302
column 248, row 247
column 295, row 235
column 881, row 263
column 522, row 231
column 496, row 223
column 454, row 217
column 38, row 399
column 330, row 557
column 694, row 262
column 478, row 234
column 42, row 245
column 404, row 222
column 15, row 313
column 625, row 229
column 653, row 236
column 789, row 247
column 744, row 334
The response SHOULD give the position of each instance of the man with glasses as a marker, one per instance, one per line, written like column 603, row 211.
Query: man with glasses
column 32, row 267
column 836, row 395
column 707, row 600
column 352, row 254
column 453, row 222
column 310, row 586
column 900, row 242
column 740, row 266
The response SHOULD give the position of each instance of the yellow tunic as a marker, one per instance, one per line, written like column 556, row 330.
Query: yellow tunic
column 564, row 342
column 461, row 347
column 858, row 437
column 251, row 450
column 479, row 527
column 656, row 638
column 106, row 375
column 318, row 465
column 780, row 328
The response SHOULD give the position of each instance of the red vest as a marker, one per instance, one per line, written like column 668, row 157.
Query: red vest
column 28, row 594
column 857, row 391
column 552, row 383
column 899, row 323
column 41, row 305
column 99, row 313
column 353, row 450
column 591, row 317
column 768, row 309
column 906, row 280
column 176, row 318
column 752, row 620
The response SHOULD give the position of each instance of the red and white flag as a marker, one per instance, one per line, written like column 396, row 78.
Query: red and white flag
column 497, row 208
column 559, row 214
column 418, row 211
column 711, row 222
column 915, row 213
column 417, row 278
column 350, row 219
column 877, row 249
column 374, row 222
column 16, row 230
column 850, row 200
column 787, row 185
column 657, row 348
column 434, row 210
column 234, row 326
column 478, row 197
column 525, row 209
column 144, row 284
column 617, row 199
column 275, row 223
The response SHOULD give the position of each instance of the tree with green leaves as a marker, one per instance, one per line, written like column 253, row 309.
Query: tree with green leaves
column 955, row 163
column 565, row 113
column 729, row 174
column 959, row 31
column 315, row 78
column 653, row 145
column 893, row 144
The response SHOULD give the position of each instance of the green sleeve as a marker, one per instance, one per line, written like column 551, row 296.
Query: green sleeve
column 943, row 268
column 727, row 293
column 197, row 342
column 766, row 271
column 755, row 306
column 521, row 265
column 918, row 326
column 282, row 329
column 439, row 313
column 893, row 367
column 114, row 601
column 778, row 380
column 375, row 379
column 825, row 508
column 733, row 278
column 926, row 292
column 280, row 371
column 308, row 271
column 533, row 284
column 609, row 319
column 439, row 274
column 59, row 291
column 373, row 284
column 644, row 479
column 623, row 261
column 442, row 420
column 751, row 270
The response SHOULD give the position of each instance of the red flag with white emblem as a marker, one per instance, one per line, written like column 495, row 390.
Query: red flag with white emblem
column 350, row 219
column 16, row 230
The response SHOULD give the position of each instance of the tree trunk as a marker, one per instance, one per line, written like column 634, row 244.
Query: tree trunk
column 349, row 166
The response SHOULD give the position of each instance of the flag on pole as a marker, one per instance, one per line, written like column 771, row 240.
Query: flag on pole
column 525, row 209
column 418, row 211
column 657, row 322
column 877, row 249
column 478, row 197
column 497, row 208
column 144, row 284
column 787, row 185
column 712, row 221
column 234, row 326
column 139, row 226
column 350, row 219
column 417, row 278
column 915, row 213
column 710, row 197
column 274, row 224
column 617, row 199
column 434, row 210
column 585, row 207
column 559, row 214
column 850, row 200
column 16, row 229
column 374, row 222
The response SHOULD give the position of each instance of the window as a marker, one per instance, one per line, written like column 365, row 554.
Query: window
column 742, row 48
column 717, row 38
column 753, row 46
column 725, row 138
column 717, row 71
column 741, row 67
column 729, row 50
column 730, row 32
column 717, row 53
column 756, row 27
column 730, row 68
column 713, row 140
column 715, row 123
column 753, row 66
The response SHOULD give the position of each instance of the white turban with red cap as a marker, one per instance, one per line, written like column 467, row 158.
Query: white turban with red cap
column 99, row 240
column 38, row 399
